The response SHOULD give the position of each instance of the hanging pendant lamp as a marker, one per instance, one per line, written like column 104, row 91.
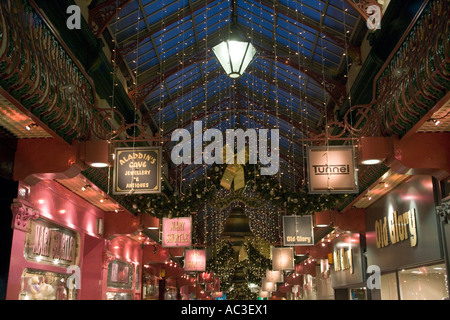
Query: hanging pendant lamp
column 236, row 52
column 234, row 56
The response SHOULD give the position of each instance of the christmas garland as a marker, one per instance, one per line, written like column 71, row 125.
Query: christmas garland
column 256, row 265
column 224, row 264
column 258, row 190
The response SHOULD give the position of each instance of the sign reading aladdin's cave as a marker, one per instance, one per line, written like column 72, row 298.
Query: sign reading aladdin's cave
column 331, row 169
column 137, row 170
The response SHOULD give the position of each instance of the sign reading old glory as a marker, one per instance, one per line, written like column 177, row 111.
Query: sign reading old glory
column 137, row 170
column 298, row 230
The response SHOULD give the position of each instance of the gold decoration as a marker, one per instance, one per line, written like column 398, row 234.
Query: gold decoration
column 234, row 172
column 243, row 255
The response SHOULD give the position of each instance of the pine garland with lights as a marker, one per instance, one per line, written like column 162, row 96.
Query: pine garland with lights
column 258, row 191
column 255, row 266
column 224, row 264
column 242, row 293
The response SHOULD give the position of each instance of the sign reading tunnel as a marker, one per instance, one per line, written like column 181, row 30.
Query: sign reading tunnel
column 332, row 169
column 137, row 170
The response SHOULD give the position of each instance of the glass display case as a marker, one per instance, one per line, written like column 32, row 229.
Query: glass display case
column 119, row 296
column 170, row 293
column 45, row 285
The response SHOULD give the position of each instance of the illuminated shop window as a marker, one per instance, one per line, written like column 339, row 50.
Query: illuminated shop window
column 44, row 285
column 150, row 287
column 389, row 290
column 118, row 296
column 423, row 283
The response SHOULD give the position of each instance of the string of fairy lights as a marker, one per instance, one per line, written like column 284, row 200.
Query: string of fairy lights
column 113, row 73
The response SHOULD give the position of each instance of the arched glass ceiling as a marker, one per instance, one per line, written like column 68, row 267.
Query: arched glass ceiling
column 166, row 48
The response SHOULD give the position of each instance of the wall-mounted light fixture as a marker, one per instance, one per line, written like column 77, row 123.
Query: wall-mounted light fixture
column 31, row 126
column 69, row 88
column 86, row 186
column 97, row 153
column 324, row 218
column 374, row 150
column 437, row 121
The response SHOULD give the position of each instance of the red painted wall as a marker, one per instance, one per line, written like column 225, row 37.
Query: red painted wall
column 58, row 205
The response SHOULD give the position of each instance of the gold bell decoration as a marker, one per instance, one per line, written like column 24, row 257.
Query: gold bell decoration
column 234, row 172
column 243, row 254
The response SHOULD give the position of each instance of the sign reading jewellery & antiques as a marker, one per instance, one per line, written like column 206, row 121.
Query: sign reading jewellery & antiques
column 137, row 170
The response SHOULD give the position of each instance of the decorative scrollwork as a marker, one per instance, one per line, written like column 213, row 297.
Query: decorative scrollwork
column 35, row 67
column 408, row 85
column 359, row 121
column 107, row 258
column 416, row 77
column 22, row 214
column 104, row 127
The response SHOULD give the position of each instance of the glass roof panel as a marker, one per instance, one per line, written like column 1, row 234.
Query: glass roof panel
column 168, row 32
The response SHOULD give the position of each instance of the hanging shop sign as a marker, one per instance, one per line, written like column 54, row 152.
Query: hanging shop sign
column 217, row 295
column 332, row 169
column 120, row 274
column 205, row 277
column 177, row 232
column 274, row 276
column 49, row 243
column 267, row 286
column 137, row 170
column 194, row 260
column 283, row 259
column 298, row 230
column 396, row 228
